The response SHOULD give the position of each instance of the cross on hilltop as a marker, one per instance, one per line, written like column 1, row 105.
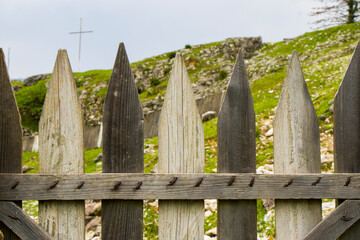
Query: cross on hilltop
column 80, row 32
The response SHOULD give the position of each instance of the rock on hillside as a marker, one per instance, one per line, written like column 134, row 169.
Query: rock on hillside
column 34, row 79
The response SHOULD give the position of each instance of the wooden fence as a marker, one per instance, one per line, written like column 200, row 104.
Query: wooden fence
column 181, row 186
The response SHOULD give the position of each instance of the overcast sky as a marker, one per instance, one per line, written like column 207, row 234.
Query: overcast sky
column 35, row 29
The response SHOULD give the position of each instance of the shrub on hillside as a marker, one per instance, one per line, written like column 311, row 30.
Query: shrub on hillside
column 171, row 55
column 154, row 82
column 30, row 102
column 167, row 70
column 222, row 74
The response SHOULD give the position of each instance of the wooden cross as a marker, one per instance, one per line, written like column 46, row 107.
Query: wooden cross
column 80, row 32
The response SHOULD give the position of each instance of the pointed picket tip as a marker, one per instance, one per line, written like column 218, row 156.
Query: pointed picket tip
column 61, row 149
column 10, row 125
column 347, row 117
column 237, row 152
column 352, row 74
column 236, row 124
column 294, row 74
column 61, row 122
column 294, row 87
column 181, row 150
column 123, row 148
column 297, row 151
column 122, row 119
column 180, row 125
column 239, row 76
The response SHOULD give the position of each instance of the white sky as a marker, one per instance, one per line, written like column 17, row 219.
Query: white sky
column 35, row 29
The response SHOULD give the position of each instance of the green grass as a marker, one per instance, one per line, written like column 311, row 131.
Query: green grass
column 31, row 159
column 30, row 103
column 16, row 82
column 90, row 165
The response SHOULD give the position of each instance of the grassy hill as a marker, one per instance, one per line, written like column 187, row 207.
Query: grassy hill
column 324, row 56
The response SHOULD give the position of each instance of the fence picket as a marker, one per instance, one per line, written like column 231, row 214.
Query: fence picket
column 123, row 148
column 61, row 150
column 181, row 150
column 10, row 134
column 296, row 150
column 347, row 128
column 237, row 154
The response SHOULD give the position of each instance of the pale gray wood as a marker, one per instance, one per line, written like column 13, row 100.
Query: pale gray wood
column 347, row 128
column 296, row 150
column 20, row 223
column 237, row 154
column 123, row 149
column 181, row 150
column 10, row 133
column 156, row 186
column 61, row 150
column 337, row 222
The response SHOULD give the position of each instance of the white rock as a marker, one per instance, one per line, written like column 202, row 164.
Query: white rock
column 266, row 169
column 211, row 205
column 270, row 132
column 208, row 214
column 327, row 158
column 212, row 232
column 155, row 203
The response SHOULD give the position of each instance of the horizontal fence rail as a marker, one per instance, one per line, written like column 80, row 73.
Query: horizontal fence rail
column 179, row 186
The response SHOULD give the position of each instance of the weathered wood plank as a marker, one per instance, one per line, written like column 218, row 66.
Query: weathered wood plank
column 10, row 133
column 20, row 223
column 337, row 222
column 123, row 149
column 296, row 150
column 181, row 150
column 156, row 186
column 347, row 128
column 61, row 150
column 237, row 154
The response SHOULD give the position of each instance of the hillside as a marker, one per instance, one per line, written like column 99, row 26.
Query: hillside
column 324, row 57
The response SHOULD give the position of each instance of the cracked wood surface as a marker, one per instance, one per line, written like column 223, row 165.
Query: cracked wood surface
column 237, row 154
column 296, row 150
column 61, row 150
column 181, row 150
column 123, row 149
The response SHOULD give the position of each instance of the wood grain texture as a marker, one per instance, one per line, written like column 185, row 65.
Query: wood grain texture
column 296, row 150
column 156, row 186
column 347, row 128
column 237, row 153
column 10, row 133
column 181, row 150
column 123, row 149
column 61, row 150
column 337, row 222
column 20, row 223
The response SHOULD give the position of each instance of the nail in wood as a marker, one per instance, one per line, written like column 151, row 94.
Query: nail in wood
column 53, row 185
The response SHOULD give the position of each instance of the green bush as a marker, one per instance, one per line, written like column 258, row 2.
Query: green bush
column 188, row 46
column 30, row 101
column 222, row 74
column 152, row 91
column 171, row 55
column 167, row 70
column 154, row 82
